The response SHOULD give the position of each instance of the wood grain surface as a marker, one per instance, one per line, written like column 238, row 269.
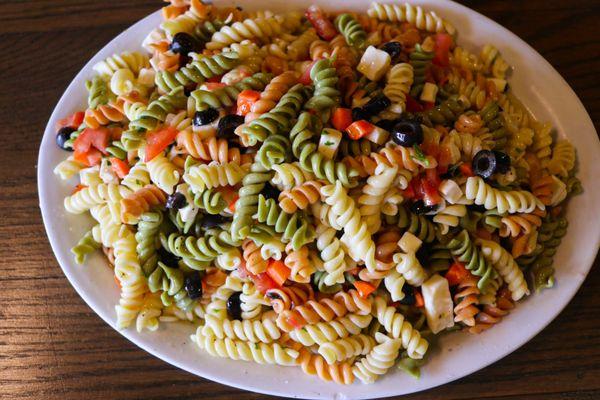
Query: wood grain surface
column 53, row 346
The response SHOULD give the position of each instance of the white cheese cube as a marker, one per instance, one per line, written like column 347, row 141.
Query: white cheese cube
column 409, row 243
column 374, row 63
column 438, row 303
column 329, row 142
column 429, row 92
column 499, row 83
column 379, row 136
column 450, row 191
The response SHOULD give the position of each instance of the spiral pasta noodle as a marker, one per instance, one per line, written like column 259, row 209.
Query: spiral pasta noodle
column 514, row 201
column 271, row 94
column 425, row 20
column 332, row 254
column 286, row 297
column 259, row 28
column 378, row 360
column 348, row 216
column 507, row 268
column 300, row 197
column 142, row 200
column 262, row 353
column 324, row 332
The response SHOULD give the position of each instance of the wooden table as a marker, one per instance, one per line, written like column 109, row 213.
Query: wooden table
column 51, row 343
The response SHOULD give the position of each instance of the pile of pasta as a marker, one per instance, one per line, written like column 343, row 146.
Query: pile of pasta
column 301, row 186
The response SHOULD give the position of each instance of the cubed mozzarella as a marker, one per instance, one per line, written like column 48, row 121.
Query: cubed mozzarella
column 409, row 243
column 379, row 136
column 438, row 303
column 374, row 63
column 329, row 142
column 451, row 191
column 429, row 92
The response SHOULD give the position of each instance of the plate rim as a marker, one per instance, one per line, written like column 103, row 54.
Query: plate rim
column 216, row 376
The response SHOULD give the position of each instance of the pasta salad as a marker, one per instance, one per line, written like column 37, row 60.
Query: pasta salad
column 331, row 191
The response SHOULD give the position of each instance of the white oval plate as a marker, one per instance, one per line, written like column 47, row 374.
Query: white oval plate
column 534, row 80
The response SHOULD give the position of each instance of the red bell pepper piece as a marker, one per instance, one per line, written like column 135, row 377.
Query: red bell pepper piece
column 359, row 129
column 246, row 100
column 341, row 118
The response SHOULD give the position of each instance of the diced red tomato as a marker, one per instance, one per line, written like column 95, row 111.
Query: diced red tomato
column 317, row 18
column 246, row 100
column 419, row 301
column 278, row 271
column 214, row 85
column 88, row 158
column 213, row 79
column 359, row 129
column 364, row 288
column 413, row 105
column 410, row 192
column 305, row 78
column 432, row 177
column 431, row 196
column 157, row 141
column 341, row 118
column 443, row 43
column 466, row 169
column 73, row 120
column 98, row 138
column 120, row 167
column 456, row 274
column 263, row 282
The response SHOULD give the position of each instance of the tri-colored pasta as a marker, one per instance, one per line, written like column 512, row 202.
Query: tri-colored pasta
column 325, row 191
